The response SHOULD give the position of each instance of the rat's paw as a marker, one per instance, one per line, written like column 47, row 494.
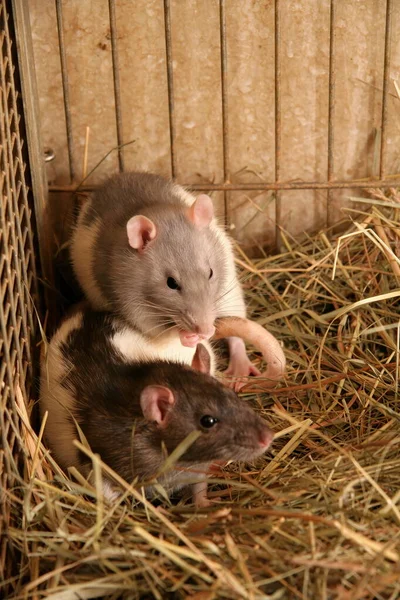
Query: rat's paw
column 242, row 367
column 239, row 369
column 200, row 498
column 203, row 502
column 206, row 502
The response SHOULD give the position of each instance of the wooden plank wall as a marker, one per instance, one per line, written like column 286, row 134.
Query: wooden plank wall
column 250, row 93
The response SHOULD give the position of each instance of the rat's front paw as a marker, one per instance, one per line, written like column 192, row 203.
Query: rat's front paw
column 203, row 502
column 238, row 370
column 200, row 497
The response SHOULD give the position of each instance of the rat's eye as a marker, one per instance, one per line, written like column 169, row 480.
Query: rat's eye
column 208, row 421
column 211, row 273
column 171, row 283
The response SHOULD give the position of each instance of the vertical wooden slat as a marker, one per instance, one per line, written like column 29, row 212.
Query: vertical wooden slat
column 385, row 95
column 39, row 185
column 224, row 106
column 278, row 122
column 65, row 86
column 170, row 82
column 117, row 87
column 331, row 108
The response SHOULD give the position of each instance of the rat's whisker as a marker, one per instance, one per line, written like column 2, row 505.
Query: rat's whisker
column 226, row 292
column 162, row 322
column 158, row 308
column 165, row 330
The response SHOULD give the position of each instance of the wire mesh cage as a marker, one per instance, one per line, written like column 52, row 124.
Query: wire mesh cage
column 21, row 292
column 19, row 281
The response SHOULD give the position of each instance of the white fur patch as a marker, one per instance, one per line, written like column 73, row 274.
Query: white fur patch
column 110, row 492
column 81, row 250
column 56, row 399
column 136, row 347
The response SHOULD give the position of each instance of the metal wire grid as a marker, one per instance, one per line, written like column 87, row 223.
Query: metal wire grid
column 18, row 278
column 329, row 183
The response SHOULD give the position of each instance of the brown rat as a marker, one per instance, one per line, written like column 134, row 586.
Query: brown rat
column 132, row 414
column 151, row 253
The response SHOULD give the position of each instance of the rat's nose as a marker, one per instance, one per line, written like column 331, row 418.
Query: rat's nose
column 265, row 437
column 200, row 324
column 204, row 331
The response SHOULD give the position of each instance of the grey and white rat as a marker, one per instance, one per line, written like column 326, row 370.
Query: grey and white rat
column 135, row 413
column 147, row 250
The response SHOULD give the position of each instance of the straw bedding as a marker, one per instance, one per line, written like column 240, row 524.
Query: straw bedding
column 317, row 517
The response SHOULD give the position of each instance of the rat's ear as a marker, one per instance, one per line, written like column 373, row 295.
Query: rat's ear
column 140, row 232
column 156, row 400
column 202, row 359
column 201, row 212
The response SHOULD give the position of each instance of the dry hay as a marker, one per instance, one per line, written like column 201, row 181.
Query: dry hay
column 316, row 518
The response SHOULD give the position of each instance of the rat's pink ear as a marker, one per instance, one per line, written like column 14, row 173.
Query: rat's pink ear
column 156, row 400
column 140, row 232
column 201, row 212
column 202, row 359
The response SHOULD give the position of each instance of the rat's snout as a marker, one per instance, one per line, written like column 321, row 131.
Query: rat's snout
column 204, row 331
column 198, row 329
column 190, row 339
column 253, row 437
column 202, row 323
column 265, row 437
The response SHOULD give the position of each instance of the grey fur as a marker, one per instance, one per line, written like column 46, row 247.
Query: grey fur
column 133, row 284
